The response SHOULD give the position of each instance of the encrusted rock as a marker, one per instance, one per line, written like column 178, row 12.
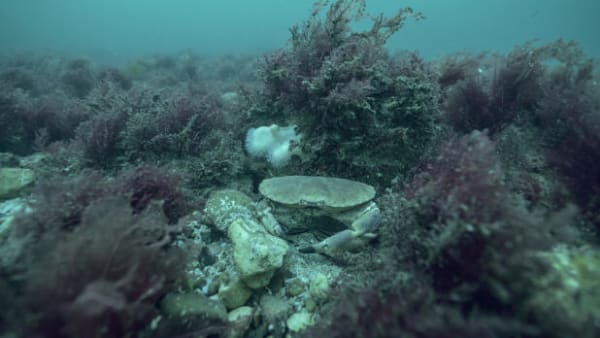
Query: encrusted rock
column 14, row 180
column 294, row 287
column 257, row 254
column 274, row 308
column 319, row 287
column 274, row 313
column 8, row 210
column 299, row 321
column 240, row 320
column 310, row 304
column 225, row 206
column 234, row 294
column 190, row 310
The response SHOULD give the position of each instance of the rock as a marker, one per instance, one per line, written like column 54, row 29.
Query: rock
column 310, row 304
column 33, row 160
column 294, row 287
column 274, row 312
column 193, row 304
column 191, row 310
column 256, row 254
column 8, row 210
column 240, row 320
column 242, row 312
column 299, row 321
column 234, row 294
column 319, row 286
column 212, row 287
column 274, row 308
column 14, row 180
column 8, row 160
column 225, row 206
column 565, row 298
column 13, row 247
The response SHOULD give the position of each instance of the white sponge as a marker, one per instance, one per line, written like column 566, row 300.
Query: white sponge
column 259, row 140
column 273, row 143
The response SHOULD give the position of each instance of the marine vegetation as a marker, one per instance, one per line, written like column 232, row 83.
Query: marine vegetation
column 347, row 95
column 328, row 188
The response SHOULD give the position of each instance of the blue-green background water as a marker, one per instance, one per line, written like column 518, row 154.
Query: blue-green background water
column 118, row 30
column 131, row 171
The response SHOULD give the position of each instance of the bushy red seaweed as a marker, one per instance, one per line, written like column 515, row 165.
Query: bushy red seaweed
column 463, row 182
column 412, row 312
column 145, row 184
column 104, row 279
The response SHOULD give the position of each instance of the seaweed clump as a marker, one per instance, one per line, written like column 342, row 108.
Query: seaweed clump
column 548, row 93
column 412, row 312
column 483, row 262
column 569, row 115
column 348, row 96
column 104, row 279
column 93, row 256
column 490, row 92
column 146, row 127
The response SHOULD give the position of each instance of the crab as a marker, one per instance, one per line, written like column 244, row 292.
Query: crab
column 346, row 201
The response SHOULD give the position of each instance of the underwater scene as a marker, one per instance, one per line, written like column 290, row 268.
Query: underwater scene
column 346, row 169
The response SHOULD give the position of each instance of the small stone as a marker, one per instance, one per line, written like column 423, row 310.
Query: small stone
column 8, row 210
column 310, row 304
column 14, row 180
column 273, row 308
column 240, row 320
column 319, row 286
column 212, row 286
column 299, row 321
column 294, row 287
column 241, row 313
column 274, row 311
column 188, row 309
column 234, row 294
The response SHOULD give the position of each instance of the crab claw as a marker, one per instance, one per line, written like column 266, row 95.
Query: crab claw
column 351, row 239
column 339, row 242
column 368, row 221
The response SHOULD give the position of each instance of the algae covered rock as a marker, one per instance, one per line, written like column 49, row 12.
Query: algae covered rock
column 234, row 294
column 8, row 210
column 275, row 310
column 299, row 321
column 294, row 287
column 567, row 297
column 319, row 287
column 240, row 320
column 225, row 206
column 257, row 254
column 14, row 180
column 187, row 311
